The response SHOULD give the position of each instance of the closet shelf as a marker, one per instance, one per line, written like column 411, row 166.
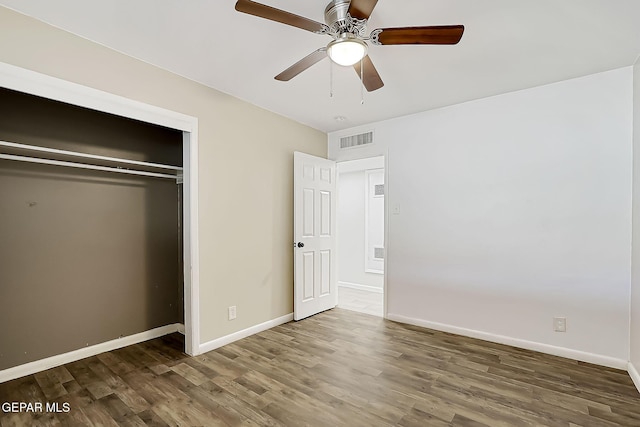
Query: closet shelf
column 121, row 165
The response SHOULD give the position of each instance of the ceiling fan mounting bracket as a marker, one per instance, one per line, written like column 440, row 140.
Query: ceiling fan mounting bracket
column 373, row 37
column 324, row 30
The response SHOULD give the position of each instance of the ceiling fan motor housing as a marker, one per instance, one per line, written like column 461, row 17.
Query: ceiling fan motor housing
column 336, row 11
column 336, row 16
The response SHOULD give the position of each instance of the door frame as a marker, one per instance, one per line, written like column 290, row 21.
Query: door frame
column 385, row 157
column 44, row 86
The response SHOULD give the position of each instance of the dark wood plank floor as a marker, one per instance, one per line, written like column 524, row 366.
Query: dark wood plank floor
column 339, row 368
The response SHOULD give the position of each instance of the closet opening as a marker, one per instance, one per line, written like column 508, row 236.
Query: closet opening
column 96, row 223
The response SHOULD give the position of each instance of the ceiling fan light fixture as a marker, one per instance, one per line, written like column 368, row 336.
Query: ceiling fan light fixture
column 347, row 50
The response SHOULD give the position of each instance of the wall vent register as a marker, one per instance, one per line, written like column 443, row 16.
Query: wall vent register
column 378, row 253
column 356, row 140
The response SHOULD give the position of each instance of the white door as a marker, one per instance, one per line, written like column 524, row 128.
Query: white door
column 314, row 231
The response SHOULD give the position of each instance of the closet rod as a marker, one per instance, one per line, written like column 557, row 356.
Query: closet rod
column 85, row 166
column 87, row 156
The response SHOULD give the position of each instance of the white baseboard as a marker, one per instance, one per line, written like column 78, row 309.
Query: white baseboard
column 228, row 339
column 568, row 353
column 361, row 287
column 72, row 356
column 180, row 328
column 635, row 376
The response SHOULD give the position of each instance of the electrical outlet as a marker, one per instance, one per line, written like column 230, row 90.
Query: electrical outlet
column 232, row 312
column 560, row 324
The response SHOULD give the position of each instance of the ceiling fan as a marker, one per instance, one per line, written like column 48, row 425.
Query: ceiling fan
column 346, row 22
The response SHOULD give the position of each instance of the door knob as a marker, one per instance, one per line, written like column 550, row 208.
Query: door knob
column 300, row 245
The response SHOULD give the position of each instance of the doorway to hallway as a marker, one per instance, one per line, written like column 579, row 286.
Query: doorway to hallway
column 360, row 224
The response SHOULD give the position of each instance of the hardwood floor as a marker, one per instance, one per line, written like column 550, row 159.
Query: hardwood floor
column 339, row 368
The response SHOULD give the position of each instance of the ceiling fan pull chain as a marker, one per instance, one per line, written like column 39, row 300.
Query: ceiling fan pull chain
column 361, row 83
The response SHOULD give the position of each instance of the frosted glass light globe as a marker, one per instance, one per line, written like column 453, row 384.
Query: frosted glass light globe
column 347, row 51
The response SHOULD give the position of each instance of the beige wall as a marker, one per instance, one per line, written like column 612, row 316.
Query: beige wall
column 246, row 166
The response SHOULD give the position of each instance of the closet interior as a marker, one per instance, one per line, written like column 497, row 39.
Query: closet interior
column 91, row 245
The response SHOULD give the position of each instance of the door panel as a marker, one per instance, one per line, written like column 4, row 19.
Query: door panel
column 308, row 212
column 307, row 275
column 315, row 235
column 325, row 272
column 325, row 214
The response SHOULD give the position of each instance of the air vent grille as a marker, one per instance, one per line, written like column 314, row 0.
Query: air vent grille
column 378, row 190
column 356, row 140
column 378, row 253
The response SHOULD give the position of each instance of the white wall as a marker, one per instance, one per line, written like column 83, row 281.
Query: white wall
column 351, row 225
column 514, row 209
column 635, row 282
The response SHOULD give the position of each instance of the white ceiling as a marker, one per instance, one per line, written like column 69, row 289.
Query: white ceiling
column 507, row 45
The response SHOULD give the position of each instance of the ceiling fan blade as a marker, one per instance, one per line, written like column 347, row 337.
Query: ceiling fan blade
column 371, row 80
column 273, row 14
column 361, row 9
column 446, row 34
column 302, row 65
